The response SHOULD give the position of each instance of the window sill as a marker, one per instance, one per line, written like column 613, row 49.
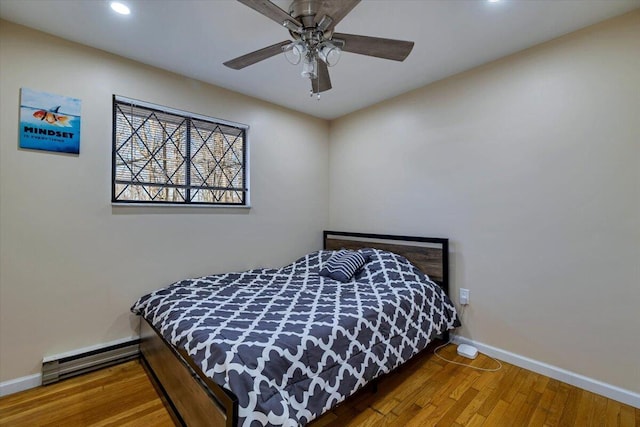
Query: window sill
column 119, row 205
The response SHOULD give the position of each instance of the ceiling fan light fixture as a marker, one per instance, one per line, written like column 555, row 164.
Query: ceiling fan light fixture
column 294, row 52
column 329, row 53
column 310, row 67
column 325, row 23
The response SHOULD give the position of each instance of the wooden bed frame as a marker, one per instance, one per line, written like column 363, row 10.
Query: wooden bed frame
column 195, row 400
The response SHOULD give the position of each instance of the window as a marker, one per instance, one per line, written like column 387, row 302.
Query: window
column 166, row 156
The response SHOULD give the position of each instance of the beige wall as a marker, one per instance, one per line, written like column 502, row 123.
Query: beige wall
column 531, row 166
column 71, row 264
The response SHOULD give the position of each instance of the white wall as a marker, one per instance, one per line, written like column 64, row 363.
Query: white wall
column 531, row 166
column 71, row 264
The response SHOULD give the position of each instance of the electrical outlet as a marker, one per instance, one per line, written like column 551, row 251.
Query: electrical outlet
column 464, row 296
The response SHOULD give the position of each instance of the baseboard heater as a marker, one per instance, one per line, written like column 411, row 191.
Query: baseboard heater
column 56, row 368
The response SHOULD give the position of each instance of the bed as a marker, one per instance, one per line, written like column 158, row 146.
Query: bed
column 281, row 346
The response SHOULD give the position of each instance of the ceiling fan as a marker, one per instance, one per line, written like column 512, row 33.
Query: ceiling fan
column 311, row 24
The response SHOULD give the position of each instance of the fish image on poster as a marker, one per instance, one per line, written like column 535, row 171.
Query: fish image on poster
column 49, row 122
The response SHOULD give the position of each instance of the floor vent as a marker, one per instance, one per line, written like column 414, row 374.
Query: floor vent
column 58, row 368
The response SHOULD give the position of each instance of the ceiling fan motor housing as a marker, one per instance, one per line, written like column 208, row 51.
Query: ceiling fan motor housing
column 304, row 11
column 312, row 33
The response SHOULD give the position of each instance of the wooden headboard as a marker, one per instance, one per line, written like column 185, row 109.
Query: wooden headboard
column 429, row 254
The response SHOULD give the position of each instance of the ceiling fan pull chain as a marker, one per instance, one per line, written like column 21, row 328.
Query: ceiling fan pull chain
column 311, row 93
column 318, row 86
column 316, row 89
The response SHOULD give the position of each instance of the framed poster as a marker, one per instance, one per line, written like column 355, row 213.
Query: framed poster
column 49, row 122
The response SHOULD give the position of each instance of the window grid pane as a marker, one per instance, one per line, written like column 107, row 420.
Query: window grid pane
column 165, row 157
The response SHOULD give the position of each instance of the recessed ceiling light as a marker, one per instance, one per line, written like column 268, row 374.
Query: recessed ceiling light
column 494, row 1
column 121, row 8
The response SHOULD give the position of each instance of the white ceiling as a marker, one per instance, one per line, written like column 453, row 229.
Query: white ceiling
column 194, row 38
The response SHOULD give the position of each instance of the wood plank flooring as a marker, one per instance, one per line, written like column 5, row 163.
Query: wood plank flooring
column 118, row 396
column 425, row 392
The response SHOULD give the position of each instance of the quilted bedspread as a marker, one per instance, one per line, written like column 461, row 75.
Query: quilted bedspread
column 291, row 344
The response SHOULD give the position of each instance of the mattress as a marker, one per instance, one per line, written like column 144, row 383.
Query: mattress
column 291, row 344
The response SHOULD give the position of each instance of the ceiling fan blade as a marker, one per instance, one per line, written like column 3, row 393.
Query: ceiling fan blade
column 257, row 56
column 323, row 81
column 271, row 11
column 396, row 50
column 335, row 9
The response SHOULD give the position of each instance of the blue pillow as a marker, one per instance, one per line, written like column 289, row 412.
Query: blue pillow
column 343, row 265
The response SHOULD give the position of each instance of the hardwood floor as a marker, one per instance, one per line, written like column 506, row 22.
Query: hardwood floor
column 425, row 392
column 118, row 396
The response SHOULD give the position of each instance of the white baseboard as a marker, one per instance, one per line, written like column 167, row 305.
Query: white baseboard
column 627, row 397
column 20, row 384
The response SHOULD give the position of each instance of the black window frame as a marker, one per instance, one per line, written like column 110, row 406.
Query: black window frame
column 188, row 186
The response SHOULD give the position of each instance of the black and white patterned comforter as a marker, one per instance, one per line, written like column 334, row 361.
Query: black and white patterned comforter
column 291, row 344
